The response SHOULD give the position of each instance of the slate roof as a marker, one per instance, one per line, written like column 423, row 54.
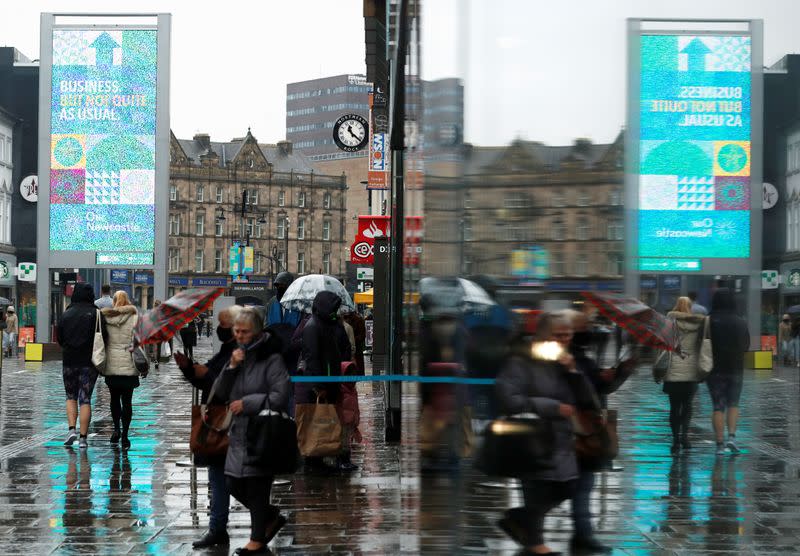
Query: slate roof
column 227, row 151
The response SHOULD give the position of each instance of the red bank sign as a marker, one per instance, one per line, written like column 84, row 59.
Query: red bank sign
column 362, row 250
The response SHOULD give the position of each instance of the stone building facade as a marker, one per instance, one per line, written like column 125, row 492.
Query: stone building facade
column 293, row 216
column 566, row 200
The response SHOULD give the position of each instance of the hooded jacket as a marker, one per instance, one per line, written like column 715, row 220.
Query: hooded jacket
column 690, row 327
column 119, row 323
column 730, row 338
column 77, row 325
column 325, row 343
column 261, row 382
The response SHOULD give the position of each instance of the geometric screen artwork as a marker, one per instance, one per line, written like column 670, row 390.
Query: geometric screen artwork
column 102, row 142
column 694, row 146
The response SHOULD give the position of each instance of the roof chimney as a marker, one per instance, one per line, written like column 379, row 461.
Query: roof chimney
column 203, row 138
column 285, row 147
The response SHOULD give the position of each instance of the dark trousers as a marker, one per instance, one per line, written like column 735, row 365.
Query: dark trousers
column 253, row 493
column 681, row 395
column 122, row 408
column 541, row 497
column 220, row 497
column 581, row 511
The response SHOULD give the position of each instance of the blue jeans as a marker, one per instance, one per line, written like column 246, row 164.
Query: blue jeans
column 581, row 513
column 220, row 498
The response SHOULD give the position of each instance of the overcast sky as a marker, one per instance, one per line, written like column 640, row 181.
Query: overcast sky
column 541, row 70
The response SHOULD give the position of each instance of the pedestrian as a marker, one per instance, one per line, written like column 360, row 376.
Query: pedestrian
column 347, row 407
column 254, row 379
column 76, row 330
column 697, row 309
column 157, row 349
column 202, row 377
column 325, row 346
column 189, row 338
column 105, row 300
column 358, row 325
column 120, row 373
column 684, row 373
column 283, row 321
column 553, row 390
column 785, row 339
column 730, row 339
column 208, row 327
column 583, row 539
column 12, row 329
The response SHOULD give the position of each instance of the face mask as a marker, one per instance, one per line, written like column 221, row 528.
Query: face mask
column 582, row 338
column 224, row 334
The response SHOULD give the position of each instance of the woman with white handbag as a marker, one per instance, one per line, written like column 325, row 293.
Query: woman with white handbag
column 82, row 336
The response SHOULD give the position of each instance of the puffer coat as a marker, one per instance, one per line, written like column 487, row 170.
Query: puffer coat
column 690, row 327
column 261, row 382
column 119, row 323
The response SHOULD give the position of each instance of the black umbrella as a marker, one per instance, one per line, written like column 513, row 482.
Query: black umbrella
column 794, row 310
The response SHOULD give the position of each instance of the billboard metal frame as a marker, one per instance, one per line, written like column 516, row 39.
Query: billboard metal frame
column 749, row 267
column 47, row 260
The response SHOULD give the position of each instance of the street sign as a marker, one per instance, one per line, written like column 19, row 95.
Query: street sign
column 670, row 265
column 365, row 273
column 769, row 279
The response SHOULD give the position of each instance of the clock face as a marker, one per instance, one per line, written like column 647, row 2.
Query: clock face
column 351, row 132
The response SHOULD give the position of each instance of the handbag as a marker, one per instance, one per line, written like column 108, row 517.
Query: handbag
column 319, row 431
column 98, row 347
column 272, row 442
column 516, row 445
column 705, row 355
column 140, row 361
column 596, row 439
column 165, row 352
column 210, row 424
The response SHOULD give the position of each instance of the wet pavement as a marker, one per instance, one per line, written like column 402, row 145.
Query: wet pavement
column 103, row 501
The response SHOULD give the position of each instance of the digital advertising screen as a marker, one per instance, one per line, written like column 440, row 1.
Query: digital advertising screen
column 694, row 147
column 103, row 143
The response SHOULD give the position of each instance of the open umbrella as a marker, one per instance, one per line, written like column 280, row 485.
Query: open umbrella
column 645, row 324
column 161, row 323
column 451, row 296
column 300, row 294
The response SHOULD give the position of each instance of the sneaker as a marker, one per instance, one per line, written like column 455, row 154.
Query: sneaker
column 83, row 443
column 72, row 436
column 720, row 449
column 731, row 445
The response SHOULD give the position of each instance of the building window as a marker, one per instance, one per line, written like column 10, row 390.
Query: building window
column 514, row 200
column 301, row 228
column 251, row 196
column 198, row 260
column 219, row 194
column 301, row 199
column 584, row 199
column 326, row 230
column 467, row 201
column 615, row 197
column 258, row 227
column 326, row 263
column 583, row 229
column 173, row 192
column 282, row 227
column 201, row 193
column 218, row 260
column 557, row 263
column 281, row 198
column 174, row 259
column 615, row 264
column 301, row 263
column 259, row 256
column 174, row 225
column 218, row 228
column 467, row 230
column 581, row 264
column 326, row 201
column 614, row 230
column 200, row 224
column 251, row 223
column 282, row 260
column 559, row 230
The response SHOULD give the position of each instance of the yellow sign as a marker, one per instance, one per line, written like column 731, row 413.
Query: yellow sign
column 33, row 352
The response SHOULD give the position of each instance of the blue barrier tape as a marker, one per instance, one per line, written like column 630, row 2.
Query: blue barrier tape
column 395, row 378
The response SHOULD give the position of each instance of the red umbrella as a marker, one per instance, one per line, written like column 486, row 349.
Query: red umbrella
column 645, row 324
column 161, row 323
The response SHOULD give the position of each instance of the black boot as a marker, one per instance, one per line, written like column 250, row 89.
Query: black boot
column 345, row 464
column 212, row 538
column 115, row 437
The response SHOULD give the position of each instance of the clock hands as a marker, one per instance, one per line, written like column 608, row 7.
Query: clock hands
column 350, row 130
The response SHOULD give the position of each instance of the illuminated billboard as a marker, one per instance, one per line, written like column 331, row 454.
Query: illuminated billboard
column 103, row 142
column 694, row 146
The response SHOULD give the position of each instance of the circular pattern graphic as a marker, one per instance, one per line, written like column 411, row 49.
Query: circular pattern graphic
column 732, row 158
column 68, row 152
column 733, row 194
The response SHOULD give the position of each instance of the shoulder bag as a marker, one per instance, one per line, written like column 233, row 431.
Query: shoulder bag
column 210, row 424
column 272, row 441
column 99, row 346
column 139, row 357
column 596, row 440
column 705, row 356
column 515, row 446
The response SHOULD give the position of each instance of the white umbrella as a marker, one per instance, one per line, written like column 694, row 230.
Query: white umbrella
column 474, row 294
column 300, row 294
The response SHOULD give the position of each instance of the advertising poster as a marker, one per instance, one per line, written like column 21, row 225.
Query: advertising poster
column 102, row 142
column 695, row 133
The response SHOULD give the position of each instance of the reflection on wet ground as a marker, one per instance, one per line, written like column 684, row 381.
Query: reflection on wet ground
column 103, row 501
